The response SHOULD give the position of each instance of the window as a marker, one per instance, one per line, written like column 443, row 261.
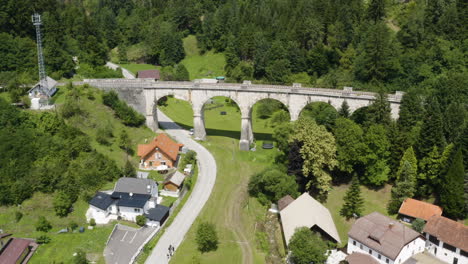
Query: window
column 163, row 162
column 434, row 240
column 137, row 210
column 449, row 247
column 455, row 261
column 386, row 260
column 379, row 256
column 360, row 246
column 370, row 251
column 354, row 243
column 464, row 253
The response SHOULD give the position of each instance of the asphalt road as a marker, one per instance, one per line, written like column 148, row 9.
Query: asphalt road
column 175, row 233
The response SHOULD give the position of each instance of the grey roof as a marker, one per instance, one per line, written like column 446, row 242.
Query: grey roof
column 383, row 234
column 177, row 178
column 159, row 213
column 134, row 185
column 305, row 211
column 131, row 200
column 101, row 200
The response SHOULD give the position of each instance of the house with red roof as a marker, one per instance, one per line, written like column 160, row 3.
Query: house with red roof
column 411, row 209
column 160, row 154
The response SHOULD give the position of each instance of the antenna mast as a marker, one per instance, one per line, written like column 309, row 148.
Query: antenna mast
column 44, row 89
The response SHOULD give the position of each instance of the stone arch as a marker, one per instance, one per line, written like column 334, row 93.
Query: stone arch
column 303, row 101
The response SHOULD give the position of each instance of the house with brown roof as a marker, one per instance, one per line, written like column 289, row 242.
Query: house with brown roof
column 446, row 239
column 411, row 209
column 384, row 239
column 17, row 251
column 160, row 154
column 149, row 74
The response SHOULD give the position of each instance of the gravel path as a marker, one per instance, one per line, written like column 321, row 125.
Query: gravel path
column 175, row 233
column 126, row 73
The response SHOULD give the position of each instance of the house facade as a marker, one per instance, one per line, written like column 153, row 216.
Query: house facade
column 384, row 239
column 447, row 239
column 160, row 154
column 131, row 197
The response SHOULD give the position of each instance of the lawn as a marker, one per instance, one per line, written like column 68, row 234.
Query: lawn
column 62, row 246
column 207, row 65
column 135, row 67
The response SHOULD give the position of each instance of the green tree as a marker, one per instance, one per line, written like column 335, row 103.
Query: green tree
column 141, row 220
column 454, row 120
column 376, row 10
column 43, row 225
column 279, row 117
column 62, row 204
column 429, row 172
column 80, row 257
column 129, row 170
column 418, row 225
column 431, row 133
column 349, row 144
column 411, row 111
column 410, row 157
column 122, row 53
column 452, row 191
column 379, row 111
column 344, row 110
column 124, row 141
column 243, row 71
column 281, row 135
column 318, row 151
column 43, row 239
column 376, row 158
column 206, row 237
column 307, row 247
column 279, row 71
column 404, row 188
column 353, row 202
column 181, row 73
column 271, row 185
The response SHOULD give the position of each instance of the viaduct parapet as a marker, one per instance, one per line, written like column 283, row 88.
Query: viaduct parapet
column 143, row 96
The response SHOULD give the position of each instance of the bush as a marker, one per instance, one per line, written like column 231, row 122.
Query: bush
column 271, row 185
column 73, row 225
column 43, row 239
column 207, row 238
column 141, row 220
column 62, row 204
column 92, row 222
column 418, row 225
column 18, row 216
column 80, row 258
column 43, row 225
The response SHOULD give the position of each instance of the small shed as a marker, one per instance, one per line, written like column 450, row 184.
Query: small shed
column 174, row 182
column 149, row 74
column 157, row 215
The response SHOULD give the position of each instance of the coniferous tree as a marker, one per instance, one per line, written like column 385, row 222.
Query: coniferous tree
column 379, row 112
column 353, row 202
column 454, row 119
column 181, row 73
column 129, row 170
column 410, row 157
column 429, row 168
column 404, row 188
column 376, row 10
column 411, row 111
column 431, row 133
column 452, row 189
column 344, row 110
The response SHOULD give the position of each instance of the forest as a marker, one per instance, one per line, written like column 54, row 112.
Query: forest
column 416, row 46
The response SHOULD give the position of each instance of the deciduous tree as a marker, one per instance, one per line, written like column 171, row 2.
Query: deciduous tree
column 307, row 247
column 207, row 237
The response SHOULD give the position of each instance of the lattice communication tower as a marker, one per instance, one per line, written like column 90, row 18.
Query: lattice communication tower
column 44, row 89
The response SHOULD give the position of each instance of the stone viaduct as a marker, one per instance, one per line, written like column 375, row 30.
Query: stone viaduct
column 144, row 94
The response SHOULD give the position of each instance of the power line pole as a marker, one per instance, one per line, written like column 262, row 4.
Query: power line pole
column 44, row 89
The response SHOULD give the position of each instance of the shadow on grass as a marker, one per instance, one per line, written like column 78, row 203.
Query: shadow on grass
column 219, row 132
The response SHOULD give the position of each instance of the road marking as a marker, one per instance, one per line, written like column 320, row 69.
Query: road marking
column 126, row 232
column 131, row 241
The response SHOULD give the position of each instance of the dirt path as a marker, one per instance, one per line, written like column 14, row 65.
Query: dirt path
column 233, row 219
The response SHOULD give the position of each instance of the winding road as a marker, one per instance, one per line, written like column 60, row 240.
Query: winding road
column 175, row 233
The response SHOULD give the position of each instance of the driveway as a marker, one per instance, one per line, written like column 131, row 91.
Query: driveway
column 126, row 73
column 175, row 233
column 125, row 242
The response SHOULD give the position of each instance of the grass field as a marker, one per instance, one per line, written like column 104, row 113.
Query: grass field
column 199, row 66
column 135, row 67
column 229, row 202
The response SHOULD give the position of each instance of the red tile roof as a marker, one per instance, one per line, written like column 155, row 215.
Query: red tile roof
column 447, row 230
column 149, row 74
column 360, row 258
column 14, row 250
column 165, row 145
column 419, row 209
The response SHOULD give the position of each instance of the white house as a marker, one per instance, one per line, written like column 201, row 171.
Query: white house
column 447, row 239
column 131, row 197
column 384, row 239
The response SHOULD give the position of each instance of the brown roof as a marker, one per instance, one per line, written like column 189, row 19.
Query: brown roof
column 14, row 250
column 419, row 209
column 382, row 234
column 360, row 258
column 165, row 145
column 447, row 230
column 4, row 235
column 149, row 74
column 285, row 201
